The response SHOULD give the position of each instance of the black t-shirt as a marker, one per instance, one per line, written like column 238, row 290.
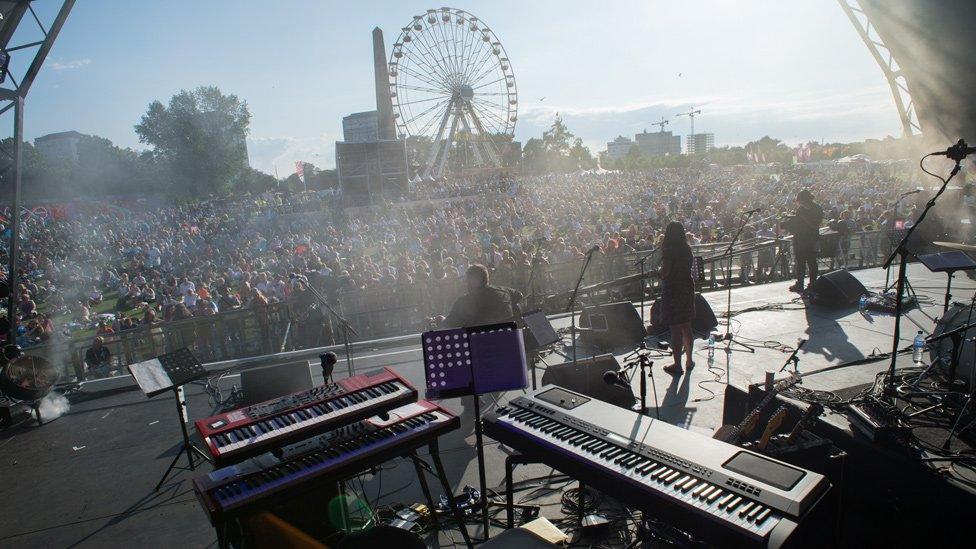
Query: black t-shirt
column 487, row 305
column 806, row 225
column 97, row 356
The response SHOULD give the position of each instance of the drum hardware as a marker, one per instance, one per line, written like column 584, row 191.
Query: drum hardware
column 965, row 405
column 948, row 263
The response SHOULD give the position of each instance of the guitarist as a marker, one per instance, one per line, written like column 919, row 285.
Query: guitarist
column 805, row 226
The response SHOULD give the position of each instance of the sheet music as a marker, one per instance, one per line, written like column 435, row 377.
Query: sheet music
column 151, row 376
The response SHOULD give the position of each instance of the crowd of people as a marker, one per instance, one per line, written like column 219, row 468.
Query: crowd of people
column 112, row 271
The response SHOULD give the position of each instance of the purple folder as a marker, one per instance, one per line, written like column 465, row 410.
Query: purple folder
column 476, row 360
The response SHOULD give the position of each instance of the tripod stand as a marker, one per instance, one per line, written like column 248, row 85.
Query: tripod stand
column 186, row 446
column 646, row 369
column 728, row 337
column 346, row 328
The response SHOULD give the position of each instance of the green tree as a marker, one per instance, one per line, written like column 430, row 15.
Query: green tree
column 581, row 156
column 254, row 181
column 534, row 156
column 200, row 135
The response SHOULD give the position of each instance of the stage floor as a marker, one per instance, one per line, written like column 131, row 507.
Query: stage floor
column 86, row 478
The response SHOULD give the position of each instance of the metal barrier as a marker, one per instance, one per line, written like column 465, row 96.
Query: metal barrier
column 396, row 310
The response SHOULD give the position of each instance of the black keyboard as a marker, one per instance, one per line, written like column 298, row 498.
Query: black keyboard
column 727, row 495
column 263, row 480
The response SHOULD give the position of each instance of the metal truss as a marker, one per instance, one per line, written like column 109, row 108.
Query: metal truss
column 33, row 42
column 896, row 78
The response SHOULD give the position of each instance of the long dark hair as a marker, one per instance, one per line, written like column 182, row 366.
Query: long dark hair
column 675, row 244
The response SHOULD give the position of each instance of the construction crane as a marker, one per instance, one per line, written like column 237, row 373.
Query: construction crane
column 661, row 124
column 690, row 114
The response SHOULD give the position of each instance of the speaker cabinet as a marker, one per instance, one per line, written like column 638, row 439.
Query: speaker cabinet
column 586, row 377
column 837, row 289
column 611, row 325
column 703, row 323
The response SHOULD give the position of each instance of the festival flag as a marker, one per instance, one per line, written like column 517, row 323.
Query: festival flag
column 300, row 169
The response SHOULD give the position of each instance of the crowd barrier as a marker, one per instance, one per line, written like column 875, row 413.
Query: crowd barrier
column 403, row 309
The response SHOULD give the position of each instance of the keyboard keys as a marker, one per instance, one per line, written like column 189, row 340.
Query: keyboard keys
column 733, row 504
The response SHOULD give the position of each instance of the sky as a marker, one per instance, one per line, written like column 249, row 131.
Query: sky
column 793, row 70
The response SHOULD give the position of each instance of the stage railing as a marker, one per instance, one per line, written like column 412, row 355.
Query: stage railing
column 401, row 309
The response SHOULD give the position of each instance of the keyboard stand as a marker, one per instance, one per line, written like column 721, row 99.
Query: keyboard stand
column 511, row 462
column 421, row 467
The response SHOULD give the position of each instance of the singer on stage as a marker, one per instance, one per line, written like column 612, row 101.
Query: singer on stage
column 483, row 304
column 677, row 294
column 805, row 226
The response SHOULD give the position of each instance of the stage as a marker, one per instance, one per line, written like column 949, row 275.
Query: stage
column 86, row 479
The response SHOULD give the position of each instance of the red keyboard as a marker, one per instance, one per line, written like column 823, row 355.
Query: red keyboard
column 233, row 436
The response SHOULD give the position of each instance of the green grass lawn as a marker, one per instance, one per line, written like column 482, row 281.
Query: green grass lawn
column 109, row 299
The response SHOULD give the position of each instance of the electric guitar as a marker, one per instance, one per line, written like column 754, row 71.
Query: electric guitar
column 733, row 433
column 775, row 421
column 811, row 414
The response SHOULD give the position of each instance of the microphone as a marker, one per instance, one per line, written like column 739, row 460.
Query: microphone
column 612, row 377
column 752, row 211
column 595, row 248
column 916, row 191
column 957, row 152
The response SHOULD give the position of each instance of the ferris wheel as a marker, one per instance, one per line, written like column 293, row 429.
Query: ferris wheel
column 451, row 82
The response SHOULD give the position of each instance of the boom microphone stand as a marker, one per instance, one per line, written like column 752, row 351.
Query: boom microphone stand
column 728, row 337
column 346, row 328
column 894, row 218
column 571, row 307
column 957, row 153
column 641, row 262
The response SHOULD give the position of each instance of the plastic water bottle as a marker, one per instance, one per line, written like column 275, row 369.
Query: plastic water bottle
column 917, row 347
column 862, row 303
column 711, row 345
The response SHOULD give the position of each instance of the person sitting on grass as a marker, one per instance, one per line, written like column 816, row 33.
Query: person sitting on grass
column 94, row 297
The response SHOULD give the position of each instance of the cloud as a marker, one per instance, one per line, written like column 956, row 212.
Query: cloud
column 74, row 64
column 734, row 119
column 281, row 152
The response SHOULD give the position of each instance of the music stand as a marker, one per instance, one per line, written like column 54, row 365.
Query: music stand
column 472, row 362
column 948, row 263
column 170, row 372
column 538, row 334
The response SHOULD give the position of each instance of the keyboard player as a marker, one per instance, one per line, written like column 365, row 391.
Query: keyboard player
column 482, row 304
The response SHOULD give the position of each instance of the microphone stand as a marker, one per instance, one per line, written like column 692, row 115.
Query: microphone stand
column 641, row 262
column 901, row 251
column 646, row 366
column 728, row 337
column 346, row 328
column 894, row 217
column 793, row 357
column 571, row 307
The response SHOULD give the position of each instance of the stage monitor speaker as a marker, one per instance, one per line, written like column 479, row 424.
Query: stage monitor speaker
column 268, row 382
column 703, row 323
column 612, row 325
column 837, row 289
column 586, row 377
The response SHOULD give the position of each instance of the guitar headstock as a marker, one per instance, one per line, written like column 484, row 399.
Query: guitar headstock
column 787, row 381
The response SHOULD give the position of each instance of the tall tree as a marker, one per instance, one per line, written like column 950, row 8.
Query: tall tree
column 200, row 135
